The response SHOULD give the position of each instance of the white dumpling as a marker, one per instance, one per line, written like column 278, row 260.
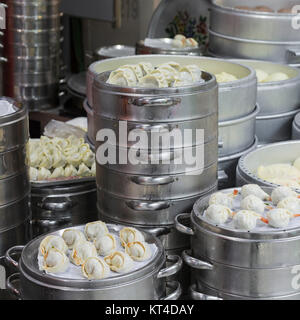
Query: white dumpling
column 50, row 242
column 221, row 198
column 46, row 160
column 245, row 220
column 123, row 76
column 254, row 189
column 179, row 37
column 261, row 75
column 279, row 171
column 88, row 158
column 297, row 164
column 191, row 73
column 138, row 251
column 169, row 72
column 128, row 235
column 84, row 171
column 218, row 214
column 119, row 262
column 253, row 203
column 35, row 158
column 156, row 79
column 59, row 159
column 281, row 193
column 277, row 76
column 94, row 268
column 74, row 159
column 146, row 67
column 176, row 43
column 105, row 244
column 33, row 174
column 279, row 218
column 55, row 261
column 290, row 203
column 58, row 173
column 72, row 237
column 70, row 171
column 225, row 77
column 95, row 229
column 43, row 174
column 285, row 182
column 81, row 251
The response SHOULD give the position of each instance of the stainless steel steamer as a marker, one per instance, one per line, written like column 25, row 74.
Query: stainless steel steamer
column 296, row 128
column 146, row 283
column 266, row 264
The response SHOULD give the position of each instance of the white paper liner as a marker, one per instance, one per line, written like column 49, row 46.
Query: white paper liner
column 260, row 226
column 75, row 273
column 6, row 108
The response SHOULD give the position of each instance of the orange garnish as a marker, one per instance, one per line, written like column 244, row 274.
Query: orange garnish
column 264, row 220
column 235, row 192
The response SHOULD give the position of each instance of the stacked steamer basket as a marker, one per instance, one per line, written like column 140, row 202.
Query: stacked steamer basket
column 296, row 128
column 150, row 195
column 279, row 101
column 2, row 59
column 228, row 263
column 14, row 181
column 254, row 34
column 32, row 48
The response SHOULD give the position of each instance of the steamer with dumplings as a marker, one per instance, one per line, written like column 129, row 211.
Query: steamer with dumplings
column 145, row 283
column 254, row 34
column 266, row 263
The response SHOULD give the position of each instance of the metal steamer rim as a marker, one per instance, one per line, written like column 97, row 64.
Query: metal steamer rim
column 242, row 166
column 118, row 50
column 197, row 218
column 29, row 263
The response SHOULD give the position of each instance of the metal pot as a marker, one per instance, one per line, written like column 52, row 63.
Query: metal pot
column 141, row 48
column 30, row 9
column 237, row 135
column 280, row 96
column 62, row 206
column 253, row 25
column 159, row 162
column 282, row 152
column 12, row 162
column 227, row 167
column 279, row 127
column 142, row 212
column 296, row 128
column 230, row 47
column 242, row 92
column 34, row 50
column 144, row 187
column 34, row 22
column 35, row 79
column 146, row 283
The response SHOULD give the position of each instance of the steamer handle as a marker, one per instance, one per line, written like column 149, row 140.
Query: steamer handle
column 10, row 287
column 154, row 129
column 54, row 206
column 175, row 295
column 158, row 232
column 155, row 102
column 9, row 258
column 146, row 206
column 294, row 53
column 195, row 263
column 195, row 295
column 182, row 228
column 172, row 269
column 152, row 181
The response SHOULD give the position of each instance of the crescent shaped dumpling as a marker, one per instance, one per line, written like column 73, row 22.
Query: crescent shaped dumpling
column 94, row 269
column 156, row 79
column 281, row 193
column 59, row 159
column 70, row 150
column 245, row 220
column 72, row 237
column 138, row 251
column 280, row 170
column 218, row 214
column 176, row 43
column 70, row 171
column 261, row 75
column 128, row 235
column 221, row 198
column 292, row 204
column 81, row 251
column 146, row 67
column 253, row 203
column 88, row 158
column 55, row 261
column 35, row 158
column 119, row 262
column 277, row 76
column 44, row 174
column 46, row 160
column 75, row 142
column 254, row 189
column 169, row 72
column 58, row 173
column 95, row 229
column 74, row 159
column 225, row 77
column 191, row 73
column 50, row 242
column 279, row 218
column 84, row 171
column 33, row 174
column 123, row 76
column 179, row 37
column 105, row 244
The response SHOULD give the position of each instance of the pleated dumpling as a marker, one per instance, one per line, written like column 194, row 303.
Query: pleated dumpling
column 46, row 159
column 290, row 203
column 33, row 174
column 254, row 189
column 59, row 160
column 245, row 220
column 156, row 79
column 58, row 172
column 43, row 174
column 119, row 262
column 169, row 72
column 95, row 229
column 81, row 251
column 253, row 203
column 72, row 237
column 138, row 251
column 94, row 268
column 70, row 171
column 128, row 235
column 222, row 199
column 218, row 214
column 52, row 241
column 282, row 171
column 88, row 158
column 146, row 67
column 123, row 76
column 191, row 42
column 191, row 73
column 55, row 261
column 35, row 157
column 279, row 218
column 84, row 171
column 105, row 244
column 281, row 193
column 74, row 159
